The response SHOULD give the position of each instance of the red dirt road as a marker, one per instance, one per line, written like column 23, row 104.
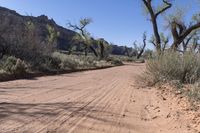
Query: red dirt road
column 96, row 101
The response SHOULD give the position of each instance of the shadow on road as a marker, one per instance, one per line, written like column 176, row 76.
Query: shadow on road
column 50, row 111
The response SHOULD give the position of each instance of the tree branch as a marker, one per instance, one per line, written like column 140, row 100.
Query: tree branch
column 174, row 30
column 190, row 29
column 144, row 45
column 168, row 5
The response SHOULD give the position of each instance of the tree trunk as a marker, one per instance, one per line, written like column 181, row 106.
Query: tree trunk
column 86, row 51
column 184, row 46
column 154, row 15
column 142, row 50
column 179, row 37
column 174, row 46
column 157, row 36
column 140, row 54
column 94, row 51
column 102, row 50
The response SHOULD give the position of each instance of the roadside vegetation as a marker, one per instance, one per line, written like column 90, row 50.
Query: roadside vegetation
column 176, row 59
column 26, row 55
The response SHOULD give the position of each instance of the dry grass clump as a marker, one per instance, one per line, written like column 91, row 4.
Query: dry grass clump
column 173, row 66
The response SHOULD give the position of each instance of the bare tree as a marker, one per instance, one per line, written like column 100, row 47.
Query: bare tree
column 180, row 32
column 140, row 50
column 178, row 29
column 154, row 14
column 143, row 47
column 92, row 41
column 84, row 36
column 104, row 48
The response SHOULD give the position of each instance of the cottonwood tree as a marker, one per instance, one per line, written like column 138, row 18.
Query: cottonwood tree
column 91, row 43
column 104, row 48
column 178, row 29
column 154, row 14
column 101, row 44
column 140, row 50
column 84, row 36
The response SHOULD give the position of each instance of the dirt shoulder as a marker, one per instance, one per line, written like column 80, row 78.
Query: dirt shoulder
column 107, row 100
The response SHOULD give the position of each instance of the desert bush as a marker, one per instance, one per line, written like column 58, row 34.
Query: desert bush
column 121, row 58
column 173, row 66
column 13, row 65
column 116, row 62
column 49, row 64
column 44, row 63
column 68, row 62
column 73, row 61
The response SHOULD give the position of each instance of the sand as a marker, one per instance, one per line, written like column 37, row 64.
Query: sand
column 98, row 101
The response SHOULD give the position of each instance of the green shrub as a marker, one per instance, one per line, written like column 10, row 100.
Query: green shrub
column 69, row 63
column 13, row 65
column 173, row 66
column 66, row 61
column 44, row 63
column 49, row 63
column 116, row 62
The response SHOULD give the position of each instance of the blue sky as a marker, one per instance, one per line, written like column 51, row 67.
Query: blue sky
column 118, row 21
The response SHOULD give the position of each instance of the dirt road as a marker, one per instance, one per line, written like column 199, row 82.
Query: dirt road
column 87, row 102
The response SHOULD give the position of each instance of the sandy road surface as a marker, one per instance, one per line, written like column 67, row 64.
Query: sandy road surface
column 93, row 101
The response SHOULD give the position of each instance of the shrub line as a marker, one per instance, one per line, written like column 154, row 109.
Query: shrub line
column 30, row 76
